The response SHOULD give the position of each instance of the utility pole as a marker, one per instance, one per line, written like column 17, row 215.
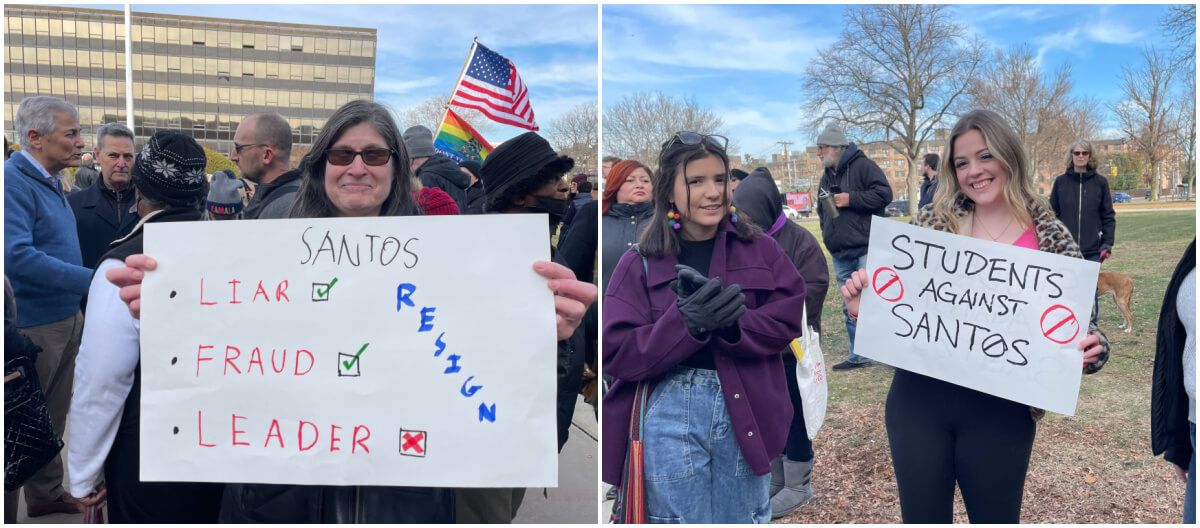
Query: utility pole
column 789, row 176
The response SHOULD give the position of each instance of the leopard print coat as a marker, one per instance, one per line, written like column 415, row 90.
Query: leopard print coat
column 1053, row 237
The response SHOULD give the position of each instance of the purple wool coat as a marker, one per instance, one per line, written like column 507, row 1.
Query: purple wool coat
column 645, row 337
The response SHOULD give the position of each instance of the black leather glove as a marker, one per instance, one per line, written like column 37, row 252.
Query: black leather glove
column 712, row 307
column 688, row 282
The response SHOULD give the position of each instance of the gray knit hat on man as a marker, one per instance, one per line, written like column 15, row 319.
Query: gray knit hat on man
column 832, row 136
column 419, row 141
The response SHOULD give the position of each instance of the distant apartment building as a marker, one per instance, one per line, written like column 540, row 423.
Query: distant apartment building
column 196, row 74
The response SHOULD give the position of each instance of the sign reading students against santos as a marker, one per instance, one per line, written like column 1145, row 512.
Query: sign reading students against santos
column 996, row 318
column 414, row 351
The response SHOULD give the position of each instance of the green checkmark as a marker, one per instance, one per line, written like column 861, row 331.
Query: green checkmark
column 327, row 288
column 350, row 364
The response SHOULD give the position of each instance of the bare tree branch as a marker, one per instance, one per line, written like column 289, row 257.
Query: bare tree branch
column 576, row 134
column 895, row 72
column 1145, row 114
column 429, row 113
column 637, row 126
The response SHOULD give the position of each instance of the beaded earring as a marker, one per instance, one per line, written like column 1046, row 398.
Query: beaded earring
column 733, row 211
column 673, row 218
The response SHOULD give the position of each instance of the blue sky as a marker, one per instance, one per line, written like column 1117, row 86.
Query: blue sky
column 421, row 48
column 745, row 62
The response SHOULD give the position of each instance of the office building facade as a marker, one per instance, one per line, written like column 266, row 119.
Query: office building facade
column 196, row 74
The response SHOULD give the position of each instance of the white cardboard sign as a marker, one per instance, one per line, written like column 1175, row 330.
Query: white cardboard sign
column 996, row 318
column 403, row 351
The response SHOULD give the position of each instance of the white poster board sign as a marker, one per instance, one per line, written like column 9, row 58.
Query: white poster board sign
column 404, row 351
column 996, row 318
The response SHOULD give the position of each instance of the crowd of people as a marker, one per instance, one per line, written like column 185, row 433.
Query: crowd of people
column 704, row 280
column 705, row 283
column 86, row 320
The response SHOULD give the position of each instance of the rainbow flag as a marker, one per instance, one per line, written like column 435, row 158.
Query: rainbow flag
column 458, row 141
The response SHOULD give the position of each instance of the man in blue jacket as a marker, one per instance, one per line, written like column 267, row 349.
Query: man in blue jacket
column 42, row 260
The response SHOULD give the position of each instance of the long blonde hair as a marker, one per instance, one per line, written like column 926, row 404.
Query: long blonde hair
column 1007, row 148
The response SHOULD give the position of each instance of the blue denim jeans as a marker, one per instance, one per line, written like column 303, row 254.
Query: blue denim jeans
column 1189, row 500
column 695, row 472
column 844, row 268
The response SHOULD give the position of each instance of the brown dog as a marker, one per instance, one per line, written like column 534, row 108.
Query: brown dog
column 1121, row 286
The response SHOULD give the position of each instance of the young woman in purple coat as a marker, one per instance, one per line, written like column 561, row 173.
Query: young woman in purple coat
column 700, row 315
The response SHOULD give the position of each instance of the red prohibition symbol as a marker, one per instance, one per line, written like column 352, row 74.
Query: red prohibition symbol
column 1059, row 324
column 886, row 283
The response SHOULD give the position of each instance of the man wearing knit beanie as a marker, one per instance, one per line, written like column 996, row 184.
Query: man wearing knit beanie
column 434, row 169
column 859, row 190
column 169, row 177
column 224, row 202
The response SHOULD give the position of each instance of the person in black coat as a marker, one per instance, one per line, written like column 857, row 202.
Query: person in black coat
column 475, row 192
column 103, row 212
column 1172, row 404
column 857, row 190
column 759, row 198
column 434, row 169
column 1082, row 201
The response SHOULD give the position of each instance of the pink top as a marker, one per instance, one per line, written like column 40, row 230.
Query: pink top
column 1028, row 239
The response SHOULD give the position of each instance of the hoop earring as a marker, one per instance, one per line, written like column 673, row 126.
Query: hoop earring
column 673, row 218
column 733, row 211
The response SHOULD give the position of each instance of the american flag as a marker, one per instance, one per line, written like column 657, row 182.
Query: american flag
column 492, row 86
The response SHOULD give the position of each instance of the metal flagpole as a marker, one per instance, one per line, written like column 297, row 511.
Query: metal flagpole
column 461, row 74
column 128, row 69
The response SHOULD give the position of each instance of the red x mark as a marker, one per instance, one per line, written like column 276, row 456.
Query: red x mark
column 412, row 441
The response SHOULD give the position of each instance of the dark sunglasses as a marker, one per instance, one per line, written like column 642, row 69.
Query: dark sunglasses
column 1081, row 153
column 372, row 156
column 693, row 138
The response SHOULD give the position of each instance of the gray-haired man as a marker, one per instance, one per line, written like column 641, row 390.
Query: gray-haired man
column 41, row 259
column 859, row 190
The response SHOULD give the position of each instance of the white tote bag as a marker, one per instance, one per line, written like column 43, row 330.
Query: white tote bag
column 810, row 377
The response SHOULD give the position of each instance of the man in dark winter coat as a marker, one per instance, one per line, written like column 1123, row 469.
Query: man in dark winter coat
column 262, row 149
column 1082, row 201
column 859, row 190
column 759, row 198
column 434, row 169
column 929, row 186
column 103, row 211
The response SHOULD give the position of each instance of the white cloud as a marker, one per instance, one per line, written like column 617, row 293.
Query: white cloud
column 579, row 74
column 1016, row 12
column 716, row 37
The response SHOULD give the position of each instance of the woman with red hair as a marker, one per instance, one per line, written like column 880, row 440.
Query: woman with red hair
column 626, row 210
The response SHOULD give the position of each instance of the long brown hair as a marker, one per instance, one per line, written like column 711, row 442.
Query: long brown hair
column 659, row 239
column 616, row 178
column 1007, row 148
column 311, row 199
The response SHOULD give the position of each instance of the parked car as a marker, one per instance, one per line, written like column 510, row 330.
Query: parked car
column 897, row 208
column 791, row 214
column 1121, row 197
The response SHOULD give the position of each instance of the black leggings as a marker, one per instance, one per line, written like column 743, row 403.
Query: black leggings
column 799, row 447
column 940, row 433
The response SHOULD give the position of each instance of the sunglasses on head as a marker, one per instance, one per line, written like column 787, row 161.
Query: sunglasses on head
column 693, row 138
column 372, row 156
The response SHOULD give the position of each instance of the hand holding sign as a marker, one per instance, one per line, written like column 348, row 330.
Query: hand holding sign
column 852, row 290
column 129, row 280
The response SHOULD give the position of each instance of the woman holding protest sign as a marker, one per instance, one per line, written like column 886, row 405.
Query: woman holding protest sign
column 703, row 352
column 941, row 433
column 360, row 168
